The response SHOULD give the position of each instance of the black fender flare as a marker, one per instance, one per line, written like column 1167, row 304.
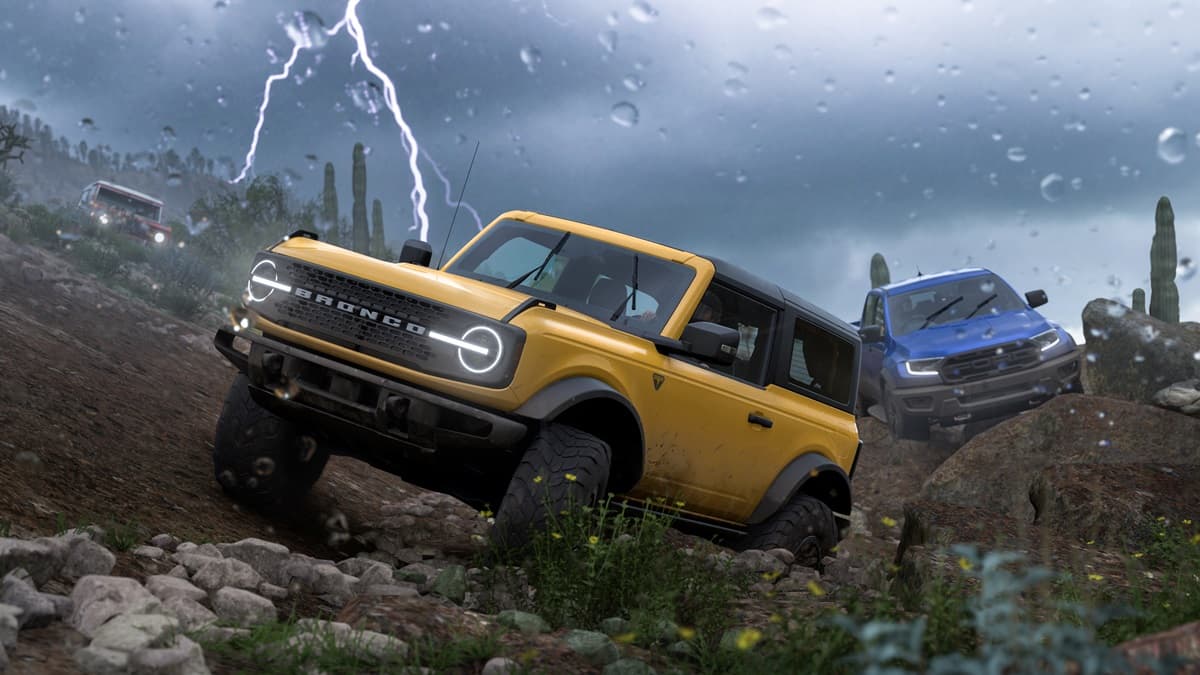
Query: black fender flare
column 792, row 478
column 563, row 394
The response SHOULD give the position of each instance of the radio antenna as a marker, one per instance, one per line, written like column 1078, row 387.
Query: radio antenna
column 456, row 205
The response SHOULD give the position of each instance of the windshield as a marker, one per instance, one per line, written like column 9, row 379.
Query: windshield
column 584, row 274
column 952, row 301
column 117, row 200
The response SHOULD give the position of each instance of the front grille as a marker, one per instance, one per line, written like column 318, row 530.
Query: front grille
column 981, row 363
column 352, row 328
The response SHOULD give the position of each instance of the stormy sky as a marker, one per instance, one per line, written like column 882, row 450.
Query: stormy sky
column 794, row 138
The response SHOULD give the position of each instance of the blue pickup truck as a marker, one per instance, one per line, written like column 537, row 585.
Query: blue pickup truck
column 959, row 347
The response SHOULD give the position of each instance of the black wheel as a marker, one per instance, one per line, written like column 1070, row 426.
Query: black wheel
column 260, row 459
column 901, row 426
column 562, row 468
column 805, row 526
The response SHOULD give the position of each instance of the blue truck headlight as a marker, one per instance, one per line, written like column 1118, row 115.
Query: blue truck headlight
column 917, row 367
column 1047, row 339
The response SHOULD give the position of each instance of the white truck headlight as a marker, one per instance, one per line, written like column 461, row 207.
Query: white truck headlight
column 479, row 348
column 1047, row 339
column 917, row 367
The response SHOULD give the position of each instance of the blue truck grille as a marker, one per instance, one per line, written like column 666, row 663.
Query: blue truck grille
column 981, row 363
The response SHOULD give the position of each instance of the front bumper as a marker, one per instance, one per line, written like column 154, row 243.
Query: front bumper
column 321, row 392
column 996, row 396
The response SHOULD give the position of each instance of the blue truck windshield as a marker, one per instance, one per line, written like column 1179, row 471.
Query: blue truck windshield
column 949, row 302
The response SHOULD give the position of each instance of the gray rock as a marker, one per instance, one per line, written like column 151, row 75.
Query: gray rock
column 185, row 547
column 614, row 625
column 217, row 574
column 318, row 635
column 527, row 623
column 192, row 562
column 166, row 542
column 665, row 631
column 297, row 570
column 783, row 555
column 391, row 590
column 209, row 550
column 368, row 572
column 42, row 558
column 150, row 552
column 272, row 592
column 165, row 587
column 191, row 614
column 418, row 573
column 758, row 562
column 243, row 607
column 179, row 572
column 266, row 557
column 85, row 557
column 36, row 609
column 594, row 647
column 100, row 661
column 628, row 667
column 127, row 632
column 682, row 649
column 1181, row 396
column 99, row 598
column 1132, row 355
column 3, row 660
column 451, row 583
column 182, row 657
column 499, row 665
column 9, row 625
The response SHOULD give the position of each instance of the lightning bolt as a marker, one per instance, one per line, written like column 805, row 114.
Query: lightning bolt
column 262, row 110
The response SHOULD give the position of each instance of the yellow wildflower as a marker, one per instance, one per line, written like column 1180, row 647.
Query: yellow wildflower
column 775, row 618
column 593, row 540
column 1187, row 521
column 815, row 588
column 1090, row 542
column 964, row 564
column 1161, row 518
column 537, row 479
column 485, row 514
column 625, row 638
column 1096, row 577
column 571, row 477
column 687, row 633
column 679, row 503
column 888, row 521
column 1196, row 538
column 1139, row 554
column 748, row 638
column 770, row 576
column 556, row 535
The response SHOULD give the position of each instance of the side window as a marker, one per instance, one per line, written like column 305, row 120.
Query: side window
column 754, row 322
column 822, row 362
column 877, row 319
column 870, row 316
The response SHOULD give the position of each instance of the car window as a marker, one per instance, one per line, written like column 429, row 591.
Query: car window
column 752, row 319
column 955, row 300
column 822, row 363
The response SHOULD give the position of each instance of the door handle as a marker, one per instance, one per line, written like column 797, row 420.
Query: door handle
column 764, row 422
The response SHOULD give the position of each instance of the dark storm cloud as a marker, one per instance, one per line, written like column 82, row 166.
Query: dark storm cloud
column 796, row 148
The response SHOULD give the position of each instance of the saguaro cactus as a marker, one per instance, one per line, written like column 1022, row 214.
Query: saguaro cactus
column 1139, row 300
column 378, row 243
column 879, row 271
column 1164, row 296
column 362, row 235
column 329, row 205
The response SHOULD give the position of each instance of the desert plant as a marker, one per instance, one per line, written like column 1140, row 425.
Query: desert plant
column 1139, row 300
column 378, row 242
column 329, row 205
column 880, row 276
column 1164, row 295
column 12, row 144
column 362, row 235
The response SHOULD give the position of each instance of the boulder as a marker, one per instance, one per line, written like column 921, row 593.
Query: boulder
column 99, row 598
column 37, row 609
column 9, row 625
column 1181, row 642
column 595, row 648
column 219, row 573
column 165, row 587
column 181, row 657
column 243, row 607
column 1131, row 355
column 128, row 632
column 527, row 623
column 266, row 557
column 85, row 557
column 191, row 614
column 1181, row 397
column 451, row 583
column 42, row 558
column 995, row 471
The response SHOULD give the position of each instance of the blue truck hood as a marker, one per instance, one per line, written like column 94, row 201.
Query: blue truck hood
column 974, row 333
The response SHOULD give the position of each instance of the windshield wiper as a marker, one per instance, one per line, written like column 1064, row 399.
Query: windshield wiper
column 939, row 312
column 632, row 294
column 553, row 252
column 978, row 307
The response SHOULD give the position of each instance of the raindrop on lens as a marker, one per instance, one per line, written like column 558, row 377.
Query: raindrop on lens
column 174, row 179
column 608, row 40
column 1052, row 187
column 642, row 12
column 80, row 15
column 1172, row 145
column 624, row 114
column 768, row 18
column 531, row 57
column 1016, row 154
column 734, row 87
column 307, row 30
column 1186, row 269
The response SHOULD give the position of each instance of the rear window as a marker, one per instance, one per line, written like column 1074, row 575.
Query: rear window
column 822, row 363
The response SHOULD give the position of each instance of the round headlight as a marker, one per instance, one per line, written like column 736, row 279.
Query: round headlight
column 258, row 291
column 487, row 352
column 104, row 219
column 159, row 237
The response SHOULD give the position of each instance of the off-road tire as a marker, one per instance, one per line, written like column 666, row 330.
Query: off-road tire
column 260, row 459
column 805, row 526
column 903, row 427
column 540, row 488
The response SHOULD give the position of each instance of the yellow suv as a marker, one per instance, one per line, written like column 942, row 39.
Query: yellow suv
column 547, row 361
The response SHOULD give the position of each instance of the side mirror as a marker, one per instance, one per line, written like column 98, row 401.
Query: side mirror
column 871, row 334
column 1036, row 298
column 416, row 252
column 711, row 342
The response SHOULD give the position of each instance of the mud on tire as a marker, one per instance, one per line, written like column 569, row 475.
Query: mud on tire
column 805, row 526
column 540, row 486
column 260, row 459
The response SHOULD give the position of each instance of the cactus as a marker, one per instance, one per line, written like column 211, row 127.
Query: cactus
column 1139, row 300
column 329, row 205
column 1164, row 296
column 879, row 271
column 378, row 243
column 358, row 214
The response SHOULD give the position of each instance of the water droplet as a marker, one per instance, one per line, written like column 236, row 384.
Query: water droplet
column 768, row 18
column 1052, row 187
column 425, row 27
column 174, row 179
column 625, row 114
column 1085, row 94
column 1093, row 357
column 1077, row 183
column 80, row 15
column 87, row 124
column 783, row 52
column 889, row 76
column 1186, row 269
column 734, row 87
column 1172, row 145
column 642, row 12
column 633, row 82
column 822, row 107
column 1016, row 154
column 221, row 5
column 1116, row 311
column 608, row 40
column 740, row 176
column 531, row 57
column 891, row 13
column 307, row 30
column 366, row 96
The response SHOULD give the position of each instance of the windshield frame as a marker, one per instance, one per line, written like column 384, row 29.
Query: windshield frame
column 661, row 324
